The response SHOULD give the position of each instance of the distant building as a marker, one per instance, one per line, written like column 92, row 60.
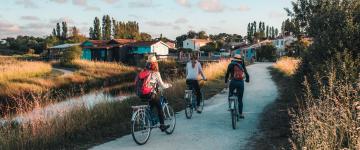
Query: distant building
column 281, row 42
column 106, row 50
column 195, row 44
column 149, row 47
column 171, row 44
column 56, row 52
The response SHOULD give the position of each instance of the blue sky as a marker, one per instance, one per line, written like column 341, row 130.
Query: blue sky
column 168, row 17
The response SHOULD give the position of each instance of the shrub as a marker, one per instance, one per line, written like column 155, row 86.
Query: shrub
column 71, row 54
column 266, row 52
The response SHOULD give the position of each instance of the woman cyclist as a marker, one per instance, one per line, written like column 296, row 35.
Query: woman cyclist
column 157, row 83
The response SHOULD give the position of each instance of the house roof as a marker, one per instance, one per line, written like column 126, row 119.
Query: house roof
column 123, row 41
column 63, row 46
column 146, row 43
column 200, row 40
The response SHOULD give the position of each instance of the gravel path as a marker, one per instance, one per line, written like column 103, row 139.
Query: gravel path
column 212, row 129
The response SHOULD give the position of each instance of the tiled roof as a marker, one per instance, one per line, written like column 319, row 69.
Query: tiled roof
column 144, row 43
column 124, row 41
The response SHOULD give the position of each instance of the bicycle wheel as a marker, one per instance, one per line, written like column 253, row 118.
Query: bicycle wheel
column 141, row 128
column 188, row 108
column 170, row 118
column 233, row 118
column 202, row 102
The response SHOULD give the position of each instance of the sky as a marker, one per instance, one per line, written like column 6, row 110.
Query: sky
column 170, row 18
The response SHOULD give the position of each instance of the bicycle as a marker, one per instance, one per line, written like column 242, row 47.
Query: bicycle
column 233, row 107
column 190, row 102
column 143, row 121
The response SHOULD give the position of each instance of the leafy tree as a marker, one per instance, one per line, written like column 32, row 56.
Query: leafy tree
column 53, row 32
column 191, row 34
column 180, row 39
column 145, row 36
column 97, row 29
column 202, row 35
column 64, row 31
column 71, row 54
column 91, row 33
column 58, row 30
column 106, row 28
column 266, row 52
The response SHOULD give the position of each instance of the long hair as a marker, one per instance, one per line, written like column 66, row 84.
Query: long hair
column 154, row 66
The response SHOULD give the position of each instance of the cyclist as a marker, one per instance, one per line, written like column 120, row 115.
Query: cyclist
column 193, row 69
column 155, row 81
column 236, row 70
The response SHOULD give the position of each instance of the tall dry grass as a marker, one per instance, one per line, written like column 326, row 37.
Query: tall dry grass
column 287, row 65
column 328, row 116
column 12, row 69
column 101, row 69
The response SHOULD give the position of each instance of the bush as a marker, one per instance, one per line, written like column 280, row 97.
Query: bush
column 328, row 116
column 266, row 52
column 71, row 54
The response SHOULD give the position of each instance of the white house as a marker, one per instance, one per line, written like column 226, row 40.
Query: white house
column 148, row 47
column 281, row 43
column 195, row 44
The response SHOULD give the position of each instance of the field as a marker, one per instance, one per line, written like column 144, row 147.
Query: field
column 105, row 121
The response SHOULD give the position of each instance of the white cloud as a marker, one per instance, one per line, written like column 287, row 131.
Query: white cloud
column 184, row 3
column 59, row 1
column 26, row 3
column 158, row 23
column 62, row 19
column 7, row 27
column 181, row 20
column 92, row 8
column 141, row 3
column 111, row 1
column 32, row 18
column 211, row 5
column 80, row 2
column 243, row 8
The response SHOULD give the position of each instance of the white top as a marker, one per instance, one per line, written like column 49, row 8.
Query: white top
column 156, row 80
column 192, row 73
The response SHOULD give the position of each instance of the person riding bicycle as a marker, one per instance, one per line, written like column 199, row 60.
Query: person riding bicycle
column 193, row 69
column 155, row 81
column 236, row 70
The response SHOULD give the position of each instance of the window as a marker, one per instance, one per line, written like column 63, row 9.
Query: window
column 282, row 42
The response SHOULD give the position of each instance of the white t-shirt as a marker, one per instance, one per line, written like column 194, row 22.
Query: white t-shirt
column 193, row 73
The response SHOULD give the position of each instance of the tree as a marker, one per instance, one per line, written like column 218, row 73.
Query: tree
column 202, row 35
column 53, row 32
column 191, row 34
column 180, row 39
column 267, row 31
column 106, row 28
column 266, row 52
column 71, row 54
column 64, row 31
column 97, row 29
column 145, row 37
column 58, row 30
column 91, row 33
column 76, row 37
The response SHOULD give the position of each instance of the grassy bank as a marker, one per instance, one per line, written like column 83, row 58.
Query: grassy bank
column 321, row 114
column 82, row 128
column 24, row 79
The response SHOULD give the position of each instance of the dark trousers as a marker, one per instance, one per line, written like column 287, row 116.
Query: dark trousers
column 194, row 85
column 237, row 85
column 155, row 102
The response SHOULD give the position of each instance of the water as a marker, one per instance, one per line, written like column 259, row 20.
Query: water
column 62, row 108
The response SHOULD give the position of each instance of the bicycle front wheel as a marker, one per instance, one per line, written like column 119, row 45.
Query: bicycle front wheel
column 170, row 119
column 141, row 128
column 233, row 118
column 188, row 108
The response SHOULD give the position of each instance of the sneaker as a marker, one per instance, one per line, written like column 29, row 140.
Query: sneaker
column 241, row 116
column 198, row 110
column 164, row 127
